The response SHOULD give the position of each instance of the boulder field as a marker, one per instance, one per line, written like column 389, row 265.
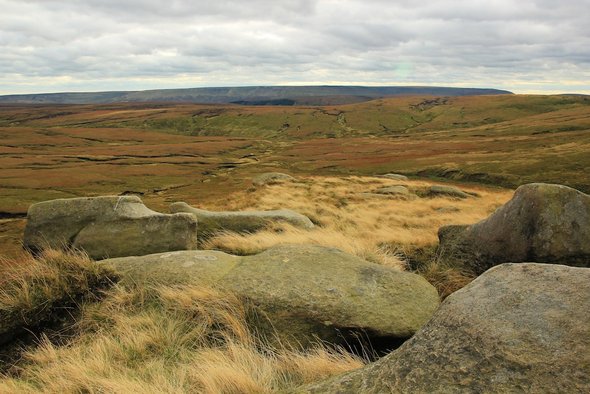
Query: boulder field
column 304, row 292
column 543, row 223
column 109, row 226
column 240, row 221
column 517, row 328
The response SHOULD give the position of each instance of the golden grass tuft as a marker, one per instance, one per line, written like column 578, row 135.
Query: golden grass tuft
column 369, row 226
column 247, row 244
column 166, row 339
column 31, row 288
column 446, row 278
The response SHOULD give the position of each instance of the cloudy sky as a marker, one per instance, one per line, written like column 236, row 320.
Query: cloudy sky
column 527, row 46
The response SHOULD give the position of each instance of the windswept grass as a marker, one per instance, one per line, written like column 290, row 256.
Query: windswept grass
column 165, row 339
column 31, row 289
column 377, row 228
column 444, row 277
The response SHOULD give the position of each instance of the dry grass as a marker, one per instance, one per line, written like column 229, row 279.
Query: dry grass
column 374, row 228
column 162, row 339
column 170, row 340
column 446, row 278
column 31, row 288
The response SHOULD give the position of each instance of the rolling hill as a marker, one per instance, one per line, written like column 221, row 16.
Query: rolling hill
column 256, row 95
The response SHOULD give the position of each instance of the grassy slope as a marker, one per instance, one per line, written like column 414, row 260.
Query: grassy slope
column 176, row 152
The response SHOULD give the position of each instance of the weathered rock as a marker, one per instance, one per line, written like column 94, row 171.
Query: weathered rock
column 449, row 191
column 395, row 177
column 110, row 226
column 516, row 328
column 269, row 178
column 307, row 292
column 201, row 267
column 372, row 196
column 331, row 290
column 240, row 221
column 541, row 223
column 397, row 190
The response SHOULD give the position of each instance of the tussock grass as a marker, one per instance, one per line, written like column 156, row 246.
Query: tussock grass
column 375, row 228
column 31, row 289
column 446, row 278
column 247, row 244
column 166, row 339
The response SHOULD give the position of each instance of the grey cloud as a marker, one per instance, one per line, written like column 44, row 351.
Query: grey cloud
column 130, row 44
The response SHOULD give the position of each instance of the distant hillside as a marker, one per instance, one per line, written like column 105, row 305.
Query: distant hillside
column 257, row 95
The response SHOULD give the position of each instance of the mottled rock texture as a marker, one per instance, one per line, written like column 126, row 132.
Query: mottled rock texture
column 518, row 328
column 110, row 226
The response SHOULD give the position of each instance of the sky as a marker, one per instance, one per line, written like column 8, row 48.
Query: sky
column 525, row 46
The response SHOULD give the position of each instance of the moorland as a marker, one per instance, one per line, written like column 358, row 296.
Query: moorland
column 203, row 153
column 143, row 338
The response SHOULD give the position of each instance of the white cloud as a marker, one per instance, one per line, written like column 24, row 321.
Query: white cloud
column 527, row 45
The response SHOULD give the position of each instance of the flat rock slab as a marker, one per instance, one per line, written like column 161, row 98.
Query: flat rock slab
column 395, row 177
column 240, row 221
column 307, row 292
column 110, row 226
column 372, row 196
column 517, row 328
column 269, row 178
column 397, row 190
column 447, row 191
column 543, row 223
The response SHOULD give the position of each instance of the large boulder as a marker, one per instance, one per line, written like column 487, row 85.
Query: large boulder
column 516, row 328
column 270, row 178
column 306, row 292
column 541, row 223
column 110, row 226
column 240, row 221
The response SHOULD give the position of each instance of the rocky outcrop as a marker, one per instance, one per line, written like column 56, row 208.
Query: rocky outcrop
column 107, row 227
column 270, row 178
column 542, row 223
column 446, row 191
column 395, row 177
column 240, row 221
column 516, row 328
column 304, row 292
column 397, row 190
